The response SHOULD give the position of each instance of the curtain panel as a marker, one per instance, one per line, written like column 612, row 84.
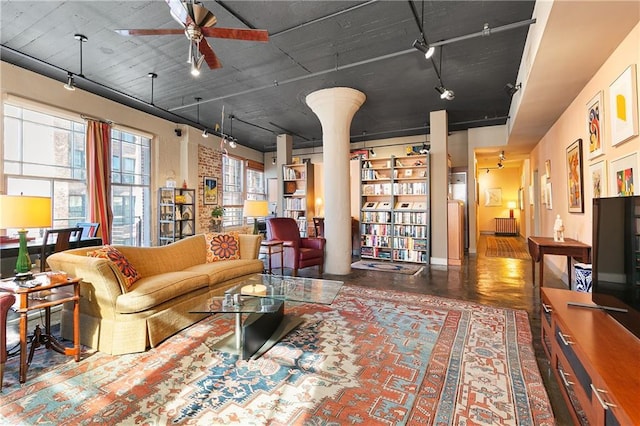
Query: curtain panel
column 99, row 177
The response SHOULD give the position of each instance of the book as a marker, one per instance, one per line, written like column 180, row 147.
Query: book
column 403, row 205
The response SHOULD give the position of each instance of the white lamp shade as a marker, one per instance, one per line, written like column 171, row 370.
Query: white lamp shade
column 20, row 211
column 511, row 204
column 255, row 208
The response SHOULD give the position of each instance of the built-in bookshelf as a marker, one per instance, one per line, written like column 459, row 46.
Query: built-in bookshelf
column 297, row 191
column 395, row 213
column 176, row 218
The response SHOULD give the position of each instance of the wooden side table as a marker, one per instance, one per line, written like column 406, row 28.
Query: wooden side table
column 48, row 294
column 540, row 246
column 269, row 248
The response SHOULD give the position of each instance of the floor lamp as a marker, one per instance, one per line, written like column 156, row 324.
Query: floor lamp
column 19, row 211
column 255, row 209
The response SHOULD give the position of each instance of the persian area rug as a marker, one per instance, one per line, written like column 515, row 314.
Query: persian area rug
column 371, row 358
column 511, row 247
column 398, row 268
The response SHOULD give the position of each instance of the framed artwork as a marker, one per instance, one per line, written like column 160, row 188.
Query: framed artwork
column 623, row 107
column 547, row 168
column 359, row 154
column 598, row 173
column 493, row 197
column 210, row 191
column 574, row 177
column 549, row 196
column 594, row 126
column 543, row 189
column 623, row 175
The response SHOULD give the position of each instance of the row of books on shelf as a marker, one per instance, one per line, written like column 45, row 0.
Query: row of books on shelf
column 406, row 188
column 376, row 241
column 415, row 231
column 376, row 189
column 411, row 218
column 371, row 174
column 376, row 229
column 289, row 173
column 395, row 254
column 400, row 205
column 410, row 243
column 384, row 217
column 295, row 204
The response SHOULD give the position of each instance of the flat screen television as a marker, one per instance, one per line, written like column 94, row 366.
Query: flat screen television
column 616, row 259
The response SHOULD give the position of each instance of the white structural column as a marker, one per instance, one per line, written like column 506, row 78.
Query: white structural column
column 335, row 109
column 439, row 160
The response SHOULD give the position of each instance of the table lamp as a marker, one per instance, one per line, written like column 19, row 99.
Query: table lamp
column 255, row 209
column 511, row 205
column 19, row 211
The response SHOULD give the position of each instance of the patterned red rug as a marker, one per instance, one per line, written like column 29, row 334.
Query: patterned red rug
column 373, row 357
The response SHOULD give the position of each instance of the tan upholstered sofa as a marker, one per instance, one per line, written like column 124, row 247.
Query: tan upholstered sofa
column 174, row 279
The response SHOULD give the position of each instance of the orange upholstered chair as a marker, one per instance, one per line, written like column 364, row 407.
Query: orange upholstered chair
column 6, row 301
column 299, row 252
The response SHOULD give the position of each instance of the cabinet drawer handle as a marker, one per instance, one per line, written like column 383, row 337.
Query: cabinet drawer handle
column 564, row 376
column 605, row 405
column 547, row 308
column 564, row 339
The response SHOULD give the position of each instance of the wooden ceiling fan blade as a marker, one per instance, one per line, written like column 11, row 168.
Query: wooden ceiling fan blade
column 144, row 32
column 209, row 56
column 202, row 17
column 178, row 11
column 236, row 34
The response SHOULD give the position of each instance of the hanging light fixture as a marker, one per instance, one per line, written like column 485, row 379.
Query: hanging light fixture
column 233, row 142
column 70, row 84
column 152, row 76
column 422, row 44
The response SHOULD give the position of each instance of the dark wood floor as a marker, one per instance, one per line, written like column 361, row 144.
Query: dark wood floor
column 492, row 281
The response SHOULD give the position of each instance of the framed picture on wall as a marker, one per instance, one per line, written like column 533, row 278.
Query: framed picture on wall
column 623, row 107
column 594, row 126
column 493, row 197
column 210, row 191
column 598, row 175
column 574, row 177
column 623, row 176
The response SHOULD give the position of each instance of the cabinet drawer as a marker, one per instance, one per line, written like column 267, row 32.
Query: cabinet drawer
column 568, row 382
column 564, row 342
column 546, row 332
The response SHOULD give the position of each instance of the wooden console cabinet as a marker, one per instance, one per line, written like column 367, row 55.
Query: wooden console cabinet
column 594, row 359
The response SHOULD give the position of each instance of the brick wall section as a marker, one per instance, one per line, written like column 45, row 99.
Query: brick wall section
column 210, row 165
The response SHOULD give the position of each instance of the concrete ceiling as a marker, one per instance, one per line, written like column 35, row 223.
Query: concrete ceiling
column 318, row 44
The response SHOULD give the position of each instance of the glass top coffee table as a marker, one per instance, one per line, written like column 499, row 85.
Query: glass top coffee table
column 258, row 304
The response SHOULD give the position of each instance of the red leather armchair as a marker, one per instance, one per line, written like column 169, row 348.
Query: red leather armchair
column 299, row 252
column 6, row 301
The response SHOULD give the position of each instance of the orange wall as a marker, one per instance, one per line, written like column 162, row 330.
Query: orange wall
column 508, row 180
column 571, row 126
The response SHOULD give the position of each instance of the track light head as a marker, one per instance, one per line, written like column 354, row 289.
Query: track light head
column 205, row 133
column 273, row 160
column 502, row 157
column 511, row 89
column 424, row 149
column 446, row 94
column 233, row 142
column 424, row 48
column 372, row 152
column 70, row 84
column 500, row 165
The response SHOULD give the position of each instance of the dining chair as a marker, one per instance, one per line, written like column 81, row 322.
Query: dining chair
column 89, row 229
column 56, row 240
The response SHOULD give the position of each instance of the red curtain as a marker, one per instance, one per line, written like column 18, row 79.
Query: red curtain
column 99, row 177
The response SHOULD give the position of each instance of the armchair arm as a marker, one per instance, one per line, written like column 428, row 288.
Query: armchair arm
column 314, row 243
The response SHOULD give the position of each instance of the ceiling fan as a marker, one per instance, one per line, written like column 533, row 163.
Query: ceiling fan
column 197, row 23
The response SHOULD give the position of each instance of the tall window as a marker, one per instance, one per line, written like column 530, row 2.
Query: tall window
column 44, row 155
column 130, row 193
column 235, row 191
column 232, row 189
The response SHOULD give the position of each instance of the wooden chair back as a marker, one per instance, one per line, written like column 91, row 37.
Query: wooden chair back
column 62, row 239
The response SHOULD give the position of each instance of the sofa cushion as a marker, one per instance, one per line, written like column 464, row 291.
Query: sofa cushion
column 224, row 246
column 225, row 270
column 157, row 289
column 113, row 254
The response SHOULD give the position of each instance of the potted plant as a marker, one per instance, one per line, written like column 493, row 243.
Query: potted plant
column 216, row 218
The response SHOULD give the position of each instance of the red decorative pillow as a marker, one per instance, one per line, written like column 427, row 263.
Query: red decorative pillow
column 113, row 254
column 222, row 246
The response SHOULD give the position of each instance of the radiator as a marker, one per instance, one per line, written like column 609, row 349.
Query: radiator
column 506, row 226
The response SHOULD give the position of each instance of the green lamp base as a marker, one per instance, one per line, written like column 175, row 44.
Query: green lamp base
column 23, row 264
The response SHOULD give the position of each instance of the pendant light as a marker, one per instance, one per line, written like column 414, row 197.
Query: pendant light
column 70, row 84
